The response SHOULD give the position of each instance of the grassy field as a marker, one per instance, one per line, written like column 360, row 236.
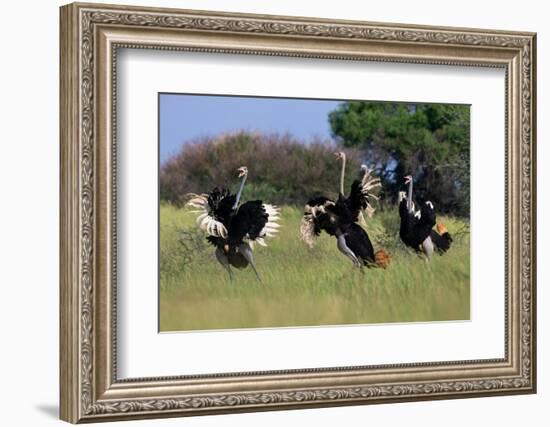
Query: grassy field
column 307, row 287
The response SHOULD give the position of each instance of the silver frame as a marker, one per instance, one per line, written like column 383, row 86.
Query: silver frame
column 90, row 37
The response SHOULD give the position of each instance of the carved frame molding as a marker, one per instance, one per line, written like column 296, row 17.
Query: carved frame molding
column 90, row 37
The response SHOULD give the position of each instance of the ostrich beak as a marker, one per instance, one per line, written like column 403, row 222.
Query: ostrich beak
column 408, row 179
column 243, row 170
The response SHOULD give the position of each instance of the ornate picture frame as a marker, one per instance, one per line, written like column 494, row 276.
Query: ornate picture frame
column 90, row 37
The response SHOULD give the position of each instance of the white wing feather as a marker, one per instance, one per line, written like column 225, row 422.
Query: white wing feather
column 369, row 183
column 271, row 227
column 307, row 225
column 205, row 219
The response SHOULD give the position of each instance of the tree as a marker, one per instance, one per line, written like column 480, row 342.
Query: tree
column 429, row 141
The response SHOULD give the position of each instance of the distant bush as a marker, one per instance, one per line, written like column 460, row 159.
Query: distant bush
column 282, row 169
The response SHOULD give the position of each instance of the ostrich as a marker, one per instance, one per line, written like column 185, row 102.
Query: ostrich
column 232, row 228
column 339, row 219
column 416, row 229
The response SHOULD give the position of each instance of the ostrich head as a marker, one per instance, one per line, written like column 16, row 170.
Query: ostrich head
column 243, row 171
column 340, row 155
column 408, row 179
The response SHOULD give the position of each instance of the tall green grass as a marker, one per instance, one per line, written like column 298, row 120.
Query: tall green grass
column 306, row 287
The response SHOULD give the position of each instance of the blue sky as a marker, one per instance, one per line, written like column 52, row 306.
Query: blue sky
column 185, row 117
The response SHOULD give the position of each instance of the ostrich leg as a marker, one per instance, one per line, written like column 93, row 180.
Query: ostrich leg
column 222, row 259
column 247, row 253
column 343, row 247
column 428, row 247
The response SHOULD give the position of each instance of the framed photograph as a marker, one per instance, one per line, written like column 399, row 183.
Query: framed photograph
column 266, row 212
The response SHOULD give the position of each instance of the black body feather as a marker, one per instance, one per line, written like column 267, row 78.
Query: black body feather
column 358, row 241
column 340, row 218
column 413, row 231
column 220, row 202
column 356, row 201
column 248, row 220
column 245, row 222
column 442, row 242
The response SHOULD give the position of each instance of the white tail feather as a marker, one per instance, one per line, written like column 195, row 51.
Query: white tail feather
column 271, row 227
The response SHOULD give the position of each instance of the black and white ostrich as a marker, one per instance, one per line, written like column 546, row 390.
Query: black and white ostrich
column 232, row 228
column 416, row 229
column 339, row 219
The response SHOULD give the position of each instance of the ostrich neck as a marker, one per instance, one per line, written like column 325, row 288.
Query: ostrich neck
column 240, row 192
column 409, row 196
column 342, row 175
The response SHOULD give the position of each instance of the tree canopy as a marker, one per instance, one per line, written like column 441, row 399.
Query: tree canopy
column 429, row 141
